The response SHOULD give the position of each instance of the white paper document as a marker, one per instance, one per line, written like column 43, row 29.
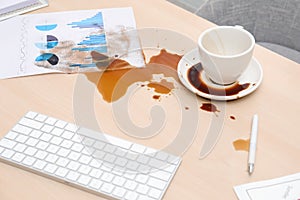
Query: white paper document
column 72, row 41
column 283, row 188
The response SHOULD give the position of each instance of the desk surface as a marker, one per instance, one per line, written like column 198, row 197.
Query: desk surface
column 277, row 102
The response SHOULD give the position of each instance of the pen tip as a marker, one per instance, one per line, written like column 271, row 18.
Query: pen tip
column 250, row 168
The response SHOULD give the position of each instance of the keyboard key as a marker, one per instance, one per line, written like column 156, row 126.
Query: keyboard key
column 51, row 158
column 143, row 189
column 155, row 193
column 32, row 142
column 50, row 121
column 41, row 155
column 77, row 147
column 30, row 151
column 85, row 159
column 131, row 196
column 119, row 192
column 84, row 169
column 84, row 180
column 31, row 115
column 73, row 165
column 119, row 181
column 56, row 140
column 36, row 133
column 31, row 123
column 156, row 183
column 141, row 178
column 66, row 144
column 131, row 185
column 7, row 143
column 41, row 117
column 62, row 172
column 39, row 164
column 60, row 124
column 57, row 131
column 95, row 184
column 11, row 135
column 73, row 176
column 47, row 128
column 46, row 137
column 42, row 145
column 71, row 127
column 96, row 173
column 67, row 135
column 163, row 175
column 21, row 138
column 62, row 162
column 63, row 152
column 107, row 187
column 22, row 129
column 29, row 160
column 18, row 157
column 74, row 156
column 20, row 147
column 107, row 177
column 7, row 153
column 138, row 148
column 50, row 168
column 52, row 148
column 161, row 155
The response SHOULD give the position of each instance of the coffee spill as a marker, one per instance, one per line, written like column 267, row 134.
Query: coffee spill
column 162, row 87
column 112, row 84
column 232, row 117
column 194, row 77
column 209, row 107
column 166, row 58
column 156, row 97
column 241, row 145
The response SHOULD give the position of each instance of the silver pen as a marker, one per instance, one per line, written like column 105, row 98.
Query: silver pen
column 252, row 145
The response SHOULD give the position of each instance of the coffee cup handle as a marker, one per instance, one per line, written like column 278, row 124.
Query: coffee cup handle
column 239, row 26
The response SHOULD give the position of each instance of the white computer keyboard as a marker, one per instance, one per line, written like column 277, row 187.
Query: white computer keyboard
column 89, row 160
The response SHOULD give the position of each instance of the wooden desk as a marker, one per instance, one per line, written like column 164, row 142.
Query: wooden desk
column 277, row 102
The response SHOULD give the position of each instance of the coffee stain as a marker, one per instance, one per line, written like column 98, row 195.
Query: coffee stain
column 241, row 144
column 209, row 107
column 162, row 87
column 156, row 97
column 232, row 117
column 166, row 58
column 194, row 77
column 114, row 82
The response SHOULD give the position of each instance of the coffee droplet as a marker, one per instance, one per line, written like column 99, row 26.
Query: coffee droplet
column 241, row 144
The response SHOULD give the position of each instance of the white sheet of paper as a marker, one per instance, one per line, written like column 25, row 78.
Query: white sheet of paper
column 32, row 41
column 283, row 188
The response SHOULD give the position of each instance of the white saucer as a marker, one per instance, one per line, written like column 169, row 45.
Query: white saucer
column 252, row 76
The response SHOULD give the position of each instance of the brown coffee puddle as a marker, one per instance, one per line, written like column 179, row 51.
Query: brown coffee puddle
column 166, row 58
column 209, row 107
column 232, row 117
column 162, row 87
column 112, row 84
column 241, row 144
column 194, row 77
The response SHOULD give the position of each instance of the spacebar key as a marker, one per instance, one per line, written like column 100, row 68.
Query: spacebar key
column 104, row 137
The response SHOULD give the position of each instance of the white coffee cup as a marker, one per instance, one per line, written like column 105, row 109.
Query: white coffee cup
column 225, row 52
